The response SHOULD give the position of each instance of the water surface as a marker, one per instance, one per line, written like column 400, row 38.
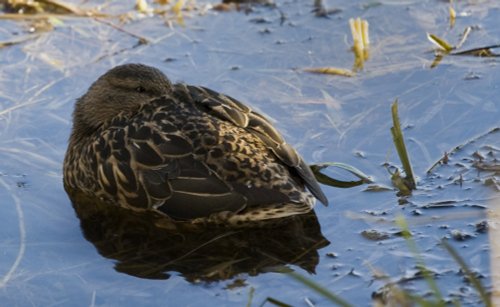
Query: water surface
column 257, row 57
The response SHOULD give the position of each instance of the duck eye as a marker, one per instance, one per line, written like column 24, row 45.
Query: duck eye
column 140, row 89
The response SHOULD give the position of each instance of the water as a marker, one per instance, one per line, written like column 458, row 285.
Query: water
column 257, row 57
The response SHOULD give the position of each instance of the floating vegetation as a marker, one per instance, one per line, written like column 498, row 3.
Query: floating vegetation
column 440, row 43
column 48, row 15
column 398, row 181
column 444, row 160
column 459, row 235
column 480, row 52
column 177, row 9
column 360, row 48
column 241, row 5
column 375, row 235
column 17, row 41
column 445, row 48
column 44, row 9
column 361, row 42
column 142, row 40
column 142, row 6
column 474, row 163
column 30, row 7
column 453, row 14
column 377, row 188
column 331, row 71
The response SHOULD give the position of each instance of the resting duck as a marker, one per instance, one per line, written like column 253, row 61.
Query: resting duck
column 183, row 151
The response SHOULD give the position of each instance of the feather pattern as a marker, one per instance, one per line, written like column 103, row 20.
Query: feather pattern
column 185, row 151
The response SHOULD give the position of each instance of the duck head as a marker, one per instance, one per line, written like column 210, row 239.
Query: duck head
column 122, row 88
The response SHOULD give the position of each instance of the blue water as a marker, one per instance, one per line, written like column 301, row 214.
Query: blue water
column 45, row 259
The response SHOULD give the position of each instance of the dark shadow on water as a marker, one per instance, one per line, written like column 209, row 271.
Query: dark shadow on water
column 146, row 245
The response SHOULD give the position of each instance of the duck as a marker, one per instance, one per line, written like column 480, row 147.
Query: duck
column 186, row 152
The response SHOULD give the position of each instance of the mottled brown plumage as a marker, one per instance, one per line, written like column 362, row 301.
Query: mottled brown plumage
column 143, row 143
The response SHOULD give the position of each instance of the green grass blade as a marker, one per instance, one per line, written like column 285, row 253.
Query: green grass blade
column 320, row 289
column 398, row 139
column 441, row 43
column 475, row 282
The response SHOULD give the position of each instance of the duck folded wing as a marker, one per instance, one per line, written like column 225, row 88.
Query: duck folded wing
column 195, row 191
column 232, row 110
column 147, row 168
column 170, row 178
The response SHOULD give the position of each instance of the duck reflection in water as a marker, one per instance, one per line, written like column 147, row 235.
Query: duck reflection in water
column 147, row 245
